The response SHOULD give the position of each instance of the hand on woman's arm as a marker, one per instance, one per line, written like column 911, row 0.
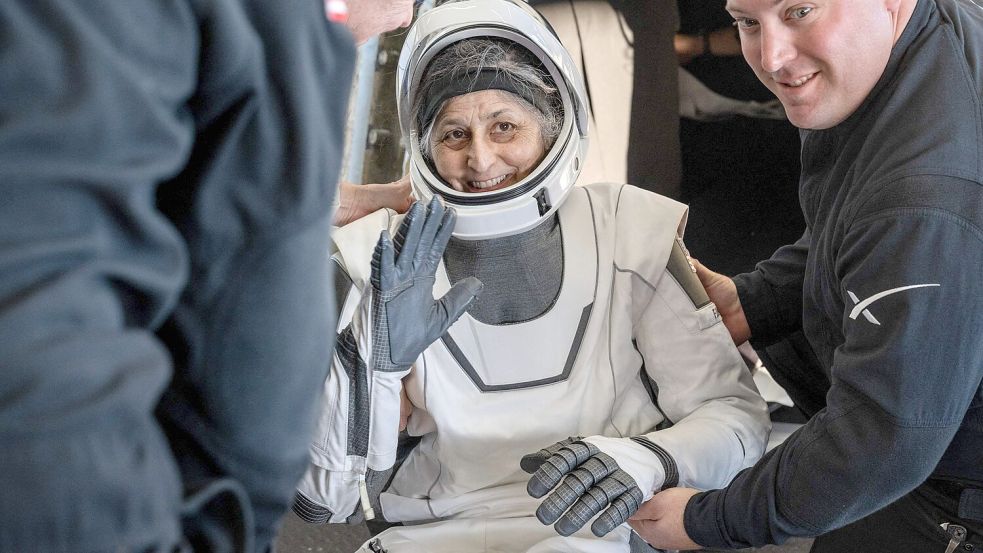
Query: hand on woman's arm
column 358, row 200
column 723, row 294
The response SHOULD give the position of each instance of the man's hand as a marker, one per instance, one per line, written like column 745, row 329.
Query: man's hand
column 406, row 318
column 594, row 482
column 723, row 293
column 396, row 195
column 659, row 521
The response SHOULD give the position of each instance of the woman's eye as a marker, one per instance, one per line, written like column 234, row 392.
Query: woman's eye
column 504, row 127
column 745, row 23
column 454, row 139
column 799, row 13
column 503, row 131
column 455, row 135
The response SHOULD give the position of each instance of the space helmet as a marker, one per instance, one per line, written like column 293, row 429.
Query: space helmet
column 523, row 205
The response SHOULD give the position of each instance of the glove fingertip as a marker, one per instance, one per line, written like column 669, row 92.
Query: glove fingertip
column 435, row 204
column 543, row 517
column 566, row 527
column 450, row 214
column 531, row 463
column 381, row 257
column 447, row 223
column 535, row 488
column 601, row 528
column 457, row 300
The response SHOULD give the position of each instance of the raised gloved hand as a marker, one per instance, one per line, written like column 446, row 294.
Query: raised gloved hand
column 595, row 481
column 406, row 317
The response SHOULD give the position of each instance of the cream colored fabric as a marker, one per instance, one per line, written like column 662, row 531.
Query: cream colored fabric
column 609, row 79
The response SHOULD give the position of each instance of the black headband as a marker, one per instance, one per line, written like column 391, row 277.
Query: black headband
column 455, row 84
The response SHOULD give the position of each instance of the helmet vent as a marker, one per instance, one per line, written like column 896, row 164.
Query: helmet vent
column 543, row 202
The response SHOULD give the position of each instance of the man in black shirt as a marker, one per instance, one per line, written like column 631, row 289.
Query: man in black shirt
column 883, row 286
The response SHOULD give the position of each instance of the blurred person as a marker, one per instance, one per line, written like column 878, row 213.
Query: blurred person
column 165, row 308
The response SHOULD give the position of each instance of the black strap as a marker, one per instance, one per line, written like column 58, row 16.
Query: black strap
column 668, row 463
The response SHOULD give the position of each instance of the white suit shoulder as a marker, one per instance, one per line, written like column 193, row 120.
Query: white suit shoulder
column 645, row 225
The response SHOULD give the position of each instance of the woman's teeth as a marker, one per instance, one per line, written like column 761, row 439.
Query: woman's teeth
column 487, row 183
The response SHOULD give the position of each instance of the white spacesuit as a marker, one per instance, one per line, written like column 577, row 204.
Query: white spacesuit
column 625, row 353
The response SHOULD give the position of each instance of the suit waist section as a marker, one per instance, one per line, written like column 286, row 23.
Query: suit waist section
column 505, row 501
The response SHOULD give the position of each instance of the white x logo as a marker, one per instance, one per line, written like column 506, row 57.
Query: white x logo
column 861, row 306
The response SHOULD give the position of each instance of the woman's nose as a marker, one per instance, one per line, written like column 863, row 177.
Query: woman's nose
column 481, row 155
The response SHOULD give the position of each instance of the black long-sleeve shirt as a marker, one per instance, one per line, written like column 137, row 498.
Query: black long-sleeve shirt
column 166, row 177
column 885, row 285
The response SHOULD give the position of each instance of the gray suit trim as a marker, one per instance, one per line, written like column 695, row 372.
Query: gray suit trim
column 469, row 370
column 681, row 270
column 358, row 393
column 309, row 511
column 343, row 285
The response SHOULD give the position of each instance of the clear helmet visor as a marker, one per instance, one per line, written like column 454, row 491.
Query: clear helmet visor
column 536, row 197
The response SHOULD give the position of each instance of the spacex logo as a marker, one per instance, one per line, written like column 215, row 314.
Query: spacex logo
column 861, row 306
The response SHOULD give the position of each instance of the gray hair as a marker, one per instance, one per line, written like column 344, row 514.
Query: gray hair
column 518, row 65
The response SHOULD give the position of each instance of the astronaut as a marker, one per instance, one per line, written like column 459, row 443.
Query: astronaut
column 571, row 338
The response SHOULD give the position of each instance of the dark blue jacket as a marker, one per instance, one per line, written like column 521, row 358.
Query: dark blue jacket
column 166, row 176
column 885, row 285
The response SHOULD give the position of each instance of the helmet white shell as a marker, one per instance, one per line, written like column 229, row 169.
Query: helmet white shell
column 519, row 207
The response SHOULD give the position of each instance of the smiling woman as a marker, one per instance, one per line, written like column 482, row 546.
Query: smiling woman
column 489, row 113
column 486, row 141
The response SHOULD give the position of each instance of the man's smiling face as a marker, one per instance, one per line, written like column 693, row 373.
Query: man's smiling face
column 820, row 58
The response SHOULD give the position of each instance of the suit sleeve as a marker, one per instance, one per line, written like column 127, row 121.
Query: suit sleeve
column 357, row 433
column 719, row 421
column 902, row 381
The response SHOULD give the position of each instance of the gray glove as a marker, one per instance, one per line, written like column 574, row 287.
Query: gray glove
column 595, row 483
column 406, row 317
